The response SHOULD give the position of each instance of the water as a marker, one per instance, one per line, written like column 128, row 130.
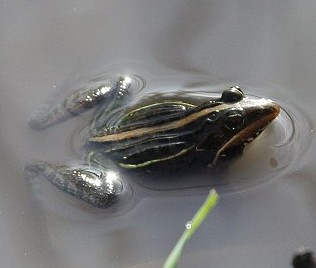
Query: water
column 260, row 222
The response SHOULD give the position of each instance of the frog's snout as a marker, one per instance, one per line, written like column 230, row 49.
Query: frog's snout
column 260, row 111
column 272, row 108
column 270, row 111
column 276, row 109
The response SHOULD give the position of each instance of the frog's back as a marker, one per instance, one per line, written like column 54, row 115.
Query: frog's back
column 150, row 132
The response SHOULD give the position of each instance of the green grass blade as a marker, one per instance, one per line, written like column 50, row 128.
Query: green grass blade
column 208, row 205
column 174, row 257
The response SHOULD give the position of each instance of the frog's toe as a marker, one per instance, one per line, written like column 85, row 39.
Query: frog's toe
column 96, row 186
column 38, row 121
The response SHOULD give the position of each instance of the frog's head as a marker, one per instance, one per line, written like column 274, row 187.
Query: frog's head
column 235, row 120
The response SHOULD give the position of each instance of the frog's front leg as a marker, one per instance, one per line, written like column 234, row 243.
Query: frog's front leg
column 98, row 186
column 108, row 92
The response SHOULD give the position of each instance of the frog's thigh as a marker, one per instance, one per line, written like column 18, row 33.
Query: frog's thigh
column 105, row 92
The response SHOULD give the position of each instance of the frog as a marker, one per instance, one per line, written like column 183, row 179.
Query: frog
column 159, row 130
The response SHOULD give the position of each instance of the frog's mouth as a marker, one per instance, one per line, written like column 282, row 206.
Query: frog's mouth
column 258, row 120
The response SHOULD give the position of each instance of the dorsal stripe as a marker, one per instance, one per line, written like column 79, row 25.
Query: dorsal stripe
column 155, row 129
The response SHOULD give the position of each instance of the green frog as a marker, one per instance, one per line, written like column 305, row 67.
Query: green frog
column 157, row 131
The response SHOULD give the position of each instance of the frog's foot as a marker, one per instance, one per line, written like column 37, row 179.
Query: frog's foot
column 107, row 92
column 97, row 186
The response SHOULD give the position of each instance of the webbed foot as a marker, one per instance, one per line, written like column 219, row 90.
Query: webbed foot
column 97, row 186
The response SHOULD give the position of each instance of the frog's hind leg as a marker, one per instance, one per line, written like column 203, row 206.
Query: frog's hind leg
column 108, row 92
column 98, row 186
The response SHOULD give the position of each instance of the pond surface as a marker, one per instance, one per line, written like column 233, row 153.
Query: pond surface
column 267, row 206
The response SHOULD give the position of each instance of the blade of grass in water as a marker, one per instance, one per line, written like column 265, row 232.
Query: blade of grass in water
column 208, row 205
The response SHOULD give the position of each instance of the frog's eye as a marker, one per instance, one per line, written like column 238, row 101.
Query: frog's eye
column 233, row 94
column 234, row 119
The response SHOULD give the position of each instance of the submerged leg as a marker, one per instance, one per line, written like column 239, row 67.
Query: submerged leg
column 97, row 186
column 107, row 92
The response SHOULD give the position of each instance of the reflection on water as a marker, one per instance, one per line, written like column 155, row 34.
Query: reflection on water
column 276, row 152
